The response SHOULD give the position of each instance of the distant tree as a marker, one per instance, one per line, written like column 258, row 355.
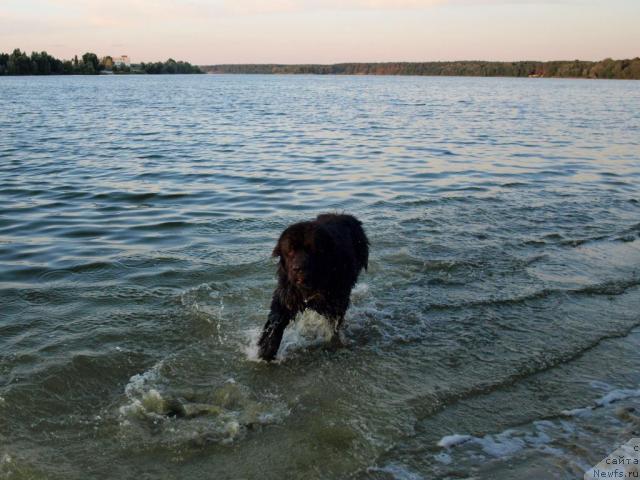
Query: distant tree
column 90, row 63
column 633, row 70
column 44, row 64
column 107, row 62
column 18, row 63
column 170, row 66
column 121, row 68
column 67, row 67
column 4, row 61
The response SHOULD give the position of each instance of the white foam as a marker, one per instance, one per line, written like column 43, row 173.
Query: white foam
column 540, row 437
column 578, row 412
column 140, row 382
column 502, row 444
column 598, row 385
column 251, row 349
column 359, row 292
column 308, row 330
column 568, row 427
column 453, row 440
column 141, row 394
column 223, row 419
column 616, row 396
column 398, row 472
column 613, row 395
column 444, row 458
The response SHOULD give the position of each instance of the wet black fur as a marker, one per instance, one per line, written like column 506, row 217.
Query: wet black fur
column 335, row 249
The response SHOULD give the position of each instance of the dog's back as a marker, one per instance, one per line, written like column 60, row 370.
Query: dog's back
column 348, row 232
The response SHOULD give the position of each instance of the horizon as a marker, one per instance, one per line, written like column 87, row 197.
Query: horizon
column 325, row 32
column 476, row 60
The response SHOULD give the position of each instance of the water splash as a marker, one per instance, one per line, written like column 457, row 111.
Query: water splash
column 156, row 414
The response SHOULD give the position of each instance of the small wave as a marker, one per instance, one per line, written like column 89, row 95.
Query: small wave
column 91, row 267
column 57, row 275
column 133, row 197
column 532, row 366
column 627, row 238
column 616, row 287
column 632, row 229
column 168, row 225
column 576, row 242
column 612, row 288
column 431, row 150
column 83, row 232
column 23, row 192
column 627, row 235
column 515, row 185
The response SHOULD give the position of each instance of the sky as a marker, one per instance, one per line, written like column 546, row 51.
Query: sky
column 207, row 32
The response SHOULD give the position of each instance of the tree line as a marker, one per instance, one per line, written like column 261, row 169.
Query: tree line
column 169, row 67
column 608, row 68
column 41, row 63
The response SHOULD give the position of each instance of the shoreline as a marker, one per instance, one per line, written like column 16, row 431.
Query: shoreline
column 347, row 75
column 623, row 69
column 409, row 76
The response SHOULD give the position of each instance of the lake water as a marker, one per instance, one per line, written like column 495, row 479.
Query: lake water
column 495, row 335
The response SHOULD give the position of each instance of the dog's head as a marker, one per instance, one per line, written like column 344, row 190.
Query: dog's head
column 305, row 254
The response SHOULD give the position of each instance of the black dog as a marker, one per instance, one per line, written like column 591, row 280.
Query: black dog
column 319, row 264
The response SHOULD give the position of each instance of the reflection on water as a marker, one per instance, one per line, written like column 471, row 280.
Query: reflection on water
column 136, row 224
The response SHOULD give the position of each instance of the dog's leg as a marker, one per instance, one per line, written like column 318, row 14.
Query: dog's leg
column 279, row 318
column 337, row 340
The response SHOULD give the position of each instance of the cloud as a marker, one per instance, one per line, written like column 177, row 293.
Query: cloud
column 286, row 6
column 177, row 9
column 279, row 6
column 130, row 13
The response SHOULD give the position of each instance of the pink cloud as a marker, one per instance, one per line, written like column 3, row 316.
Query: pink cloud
column 197, row 8
column 282, row 6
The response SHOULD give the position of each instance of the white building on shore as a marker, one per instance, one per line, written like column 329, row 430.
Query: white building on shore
column 122, row 61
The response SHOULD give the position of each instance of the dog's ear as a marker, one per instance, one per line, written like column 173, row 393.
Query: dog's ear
column 281, row 247
column 277, row 251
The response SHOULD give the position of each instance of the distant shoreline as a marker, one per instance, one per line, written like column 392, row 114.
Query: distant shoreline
column 18, row 63
column 628, row 69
